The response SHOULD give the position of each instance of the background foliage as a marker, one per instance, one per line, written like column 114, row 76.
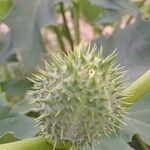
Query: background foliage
column 35, row 26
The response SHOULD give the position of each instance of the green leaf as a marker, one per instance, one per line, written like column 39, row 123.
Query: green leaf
column 6, row 53
column 89, row 10
column 138, row 120
column 16, row 87
column 22, row 126
column 13, row 121
column 117, row 5
column 109, row 4
column 23, row 106
column 66, row 2
column 145, row 10
column 8, row 137
column 26, row 19
column 5, row 6
column 3, row 102
column 115, row 10
column 111, row 143
column 133, row 47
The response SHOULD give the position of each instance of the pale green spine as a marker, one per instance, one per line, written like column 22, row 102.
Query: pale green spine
column 80, row 96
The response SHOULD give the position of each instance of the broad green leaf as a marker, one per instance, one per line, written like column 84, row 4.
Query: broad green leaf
column 89, row 10
column 133, row 47
column 26, row 19
column 6, row 53
column 5, row 6
column 3, row 102
column 16, row 87
column 111, row 143
column 138, row 120
column 114, row 144
column 109, row 4
column 110, row 16
column 115, row 10
column 146, row 10
column 129, row 7
column 66, row 2
column 117, row 5
column 23, row 106
column 13, row 121
column 8, row 137
column 22, row 126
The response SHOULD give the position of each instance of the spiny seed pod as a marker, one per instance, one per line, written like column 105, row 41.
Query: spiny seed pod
column 80, row 96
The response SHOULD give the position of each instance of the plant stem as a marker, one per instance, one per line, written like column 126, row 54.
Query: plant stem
column 36, row 143
column 62, row 10
column 142, row 145
column 137, row 89
column 59, row 37
column 76, row 15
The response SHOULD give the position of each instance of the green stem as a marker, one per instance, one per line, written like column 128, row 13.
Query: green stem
column 138, row 88
column 36, row 143
column 142, row 145
column 59, row 38
column 62, row 10
column 76, row 15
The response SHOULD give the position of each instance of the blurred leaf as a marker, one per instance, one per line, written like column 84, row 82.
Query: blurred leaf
column 16, row 87
column 110, row 16
column 6, row 53
column 89, row 10
column 111, row 143
column 127, row 5
column 133, row 47
column 5, row 6
column 23, row 106
column 115, row 10
column 3, row 102
column 26, row 20
column 66, row 2
column 138, row 120
column 8, row 137
column 13, row 121
column 146, row 10
column 109, row 4
column 22, row 126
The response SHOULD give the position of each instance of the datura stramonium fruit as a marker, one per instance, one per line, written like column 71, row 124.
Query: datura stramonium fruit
column 79, row 96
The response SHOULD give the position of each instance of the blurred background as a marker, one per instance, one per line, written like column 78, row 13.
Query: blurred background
column 29, row 29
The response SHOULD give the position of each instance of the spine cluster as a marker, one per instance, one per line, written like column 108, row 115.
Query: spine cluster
column 79, row 96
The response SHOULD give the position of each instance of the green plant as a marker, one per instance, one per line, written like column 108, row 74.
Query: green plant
column 34, row 27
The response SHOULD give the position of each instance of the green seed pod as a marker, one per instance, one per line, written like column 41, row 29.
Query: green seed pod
column 80, row 96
